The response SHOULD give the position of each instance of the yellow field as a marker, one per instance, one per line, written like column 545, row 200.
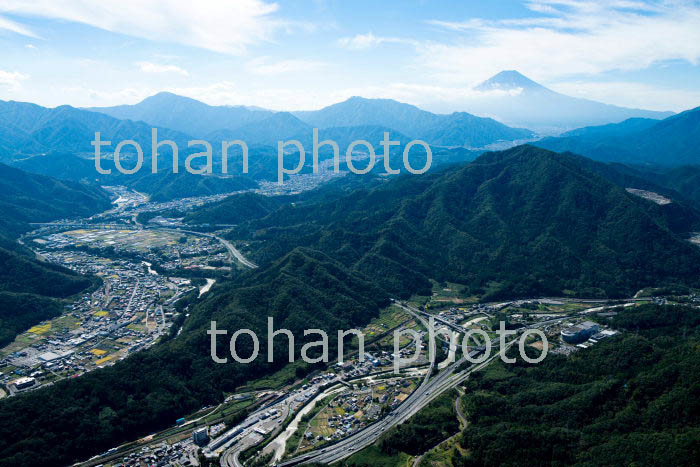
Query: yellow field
column 103, row 360
column 101, row 313
column 41, row 328
column 98, row 352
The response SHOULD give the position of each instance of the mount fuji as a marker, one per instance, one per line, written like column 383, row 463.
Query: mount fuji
column 516, row 100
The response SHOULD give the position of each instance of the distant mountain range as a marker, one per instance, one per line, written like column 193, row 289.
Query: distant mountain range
column 186, row 115
column 670, row 142
column 456, row 129
column 503, row 106
column 29, row 129
column 57, row 141
column 516, row 100
column 266, row 127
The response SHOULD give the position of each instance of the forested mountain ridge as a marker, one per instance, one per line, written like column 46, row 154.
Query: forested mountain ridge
column 184, row 114
column 166, row 185
column 456, row 129
column 632, row 399
column 671, row 142
column 151, row 389
column 235, row 209
column 28, row 286
column 520, row 222
column 26, row 197
column 34, row 129
column 523, row 221
column 266, row 127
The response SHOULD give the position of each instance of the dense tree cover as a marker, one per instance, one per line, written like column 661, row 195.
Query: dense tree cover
column 684, row 180
column 19, row 273
column 520, row 222
column 153, row 388
column 235, row 209
column 26, row 197
column 630, row 400
column 425, row 430
column 18, row 312
column 28, row 289
column 671, row 142
column 531, row 221
column 25, row 283
column 166, row 185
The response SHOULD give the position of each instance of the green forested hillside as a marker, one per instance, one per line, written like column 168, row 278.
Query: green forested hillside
column 26, row 197
column 671, row 142
column 28, row 287
column 165, row 186
column 520, row 222
column 235, row 209
column 19, row 312
column 524, row 221
column 153, row 388
column 21, row 273
column 35, row 198
column 684, row 180
column 629, row 400
column 30, row 129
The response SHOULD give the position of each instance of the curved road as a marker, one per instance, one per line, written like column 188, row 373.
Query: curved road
column 426, row 393
column 233, row 251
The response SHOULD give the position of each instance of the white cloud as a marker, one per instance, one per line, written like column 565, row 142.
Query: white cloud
column 15, row 27
column 436, row 98
column 573, row 38
column 12, row 79
column 148, row 67
column 266, row 66
column 369, row 40
column 30, row 46
column 81, row 96
column 632, row 94
column 218, row 25
column 230, row 93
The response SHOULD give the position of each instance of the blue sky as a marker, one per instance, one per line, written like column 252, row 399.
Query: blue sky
column 296, row 54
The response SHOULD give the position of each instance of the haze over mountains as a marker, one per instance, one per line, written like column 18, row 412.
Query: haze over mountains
column 516, row 100
column 508, row 97
column 30, row 129
column 56, row 142
column 512, row 278
column 670, row 142
column 267, row 127
column 522, row 222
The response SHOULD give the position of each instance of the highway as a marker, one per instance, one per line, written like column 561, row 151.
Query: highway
column 415, row 402
column 237, row 254
column 233, row 251
column 422, row 396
